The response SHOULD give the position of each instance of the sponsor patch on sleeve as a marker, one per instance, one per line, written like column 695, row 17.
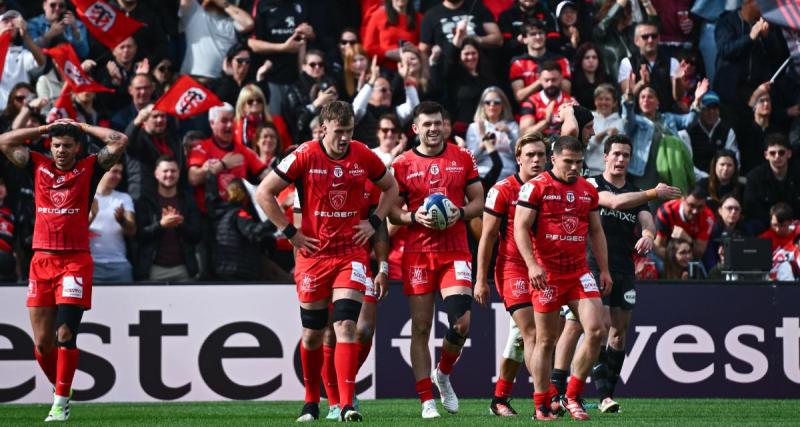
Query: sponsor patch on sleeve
column 491, row 198
column 286, row 163
column 525, row 192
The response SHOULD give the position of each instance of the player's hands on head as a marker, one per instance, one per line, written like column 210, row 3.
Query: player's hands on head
column 364, row 231
column 423, row 218
column 537, row 277
column 667, row 192
column 481, row 293
column 605, row 283
column 306, row 245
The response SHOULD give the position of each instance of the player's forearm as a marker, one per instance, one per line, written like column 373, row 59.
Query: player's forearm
column 17, row 137
column 262, row 47
column 624, row 200
column 388, row 199
column 523, row 240
column 485, row 253
column 474, row 208
column 399, row 216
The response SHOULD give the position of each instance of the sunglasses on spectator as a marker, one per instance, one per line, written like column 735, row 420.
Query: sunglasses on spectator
column 732, row 208
column 492, row 102
column 316, row 64
column 649, row 36
column 242, row 61
column 344, row 42
column 20, row 98
column 254, row 101
column 388, row 130
column 776, row 153
column 58, row 5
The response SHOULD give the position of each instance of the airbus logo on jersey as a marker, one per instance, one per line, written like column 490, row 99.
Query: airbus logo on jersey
column 552, row 197
column 317, row 172
column 46, row 171
column 414, row 175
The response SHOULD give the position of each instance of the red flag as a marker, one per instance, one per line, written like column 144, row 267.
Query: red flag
column 5, row 42
column 106, row 23
column 70, row 68
column 63, row 108
column 187, row 98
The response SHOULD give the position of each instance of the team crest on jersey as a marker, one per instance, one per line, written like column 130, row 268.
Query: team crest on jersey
column 434, row 169
column 570, row 197
column 569, row 223
column 519, row 287
column 337, row 198
column 418, row 276
column 546, row 295
column 338, row 172
column 308, row 282
column 58, row 197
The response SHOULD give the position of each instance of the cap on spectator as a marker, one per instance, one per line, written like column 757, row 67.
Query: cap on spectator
column 9, row 15
column 710, row 99
column 562, row 5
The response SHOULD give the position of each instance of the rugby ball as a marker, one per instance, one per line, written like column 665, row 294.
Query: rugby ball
column 436, row 205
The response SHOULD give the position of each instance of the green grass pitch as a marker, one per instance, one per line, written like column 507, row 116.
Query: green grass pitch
column 406, row 412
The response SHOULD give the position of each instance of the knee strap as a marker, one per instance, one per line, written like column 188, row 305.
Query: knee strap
column 456, row 306
column 314, row 319
column 346, row 309
column 70, row 316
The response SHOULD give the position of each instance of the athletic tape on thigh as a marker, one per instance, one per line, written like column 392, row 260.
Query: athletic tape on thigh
column 70, row 316
column 346, row 309
column 514, row 349
column 314, row 319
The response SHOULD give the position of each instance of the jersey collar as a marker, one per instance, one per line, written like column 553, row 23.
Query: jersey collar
column 417, row 152
column 552, row 175
column 346, row 153
column 519, row 180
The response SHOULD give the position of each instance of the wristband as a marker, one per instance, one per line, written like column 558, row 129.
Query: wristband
column 383, row 267
column 413, row 218
column 652, row 194
column 375, row 221
column 289, row 231
column 460, row 213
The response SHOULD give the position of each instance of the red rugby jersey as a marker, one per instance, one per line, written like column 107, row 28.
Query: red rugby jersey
column 526, row 67
column 332, row 193
column 536, row 106
column 501, row 201
column 669, row 215
column 562, row 220
column 448, row 173
column 63, row 201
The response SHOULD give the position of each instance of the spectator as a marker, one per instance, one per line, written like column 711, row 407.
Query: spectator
column 691, row 215
column 168, row 229
column 749, row 50
column 653, row 65
column 525, row 71
column 691, row 75
column 18, row 98
column 236, row 67
column 241, row 239
column 114, row 222
column 117, row 73
column 164, row 72
column 267, row 143
column 152, row 38
column 8, row 262
column 355, row 73
column 443, row 21
column 539, row 113
column 281, row 31
column 730, row 223
column 323, row 93
column 49, row 84
column 565, row 41
column 301, row 106
column 374, row 100
column 251, row 114
column 391, row 141
column 415, row 69
column 220, row 155
column 778, row 180
column 784, row 228
column 58, row 24
column 590, row 72
column 512, row 20
column 348, row 40
column 614, row 32
column 211, row 29
column 722, row 179
column 388, row 28
column 317, row 132
column 149, row 139
column 709, row 134
column 494, row 120
column 678, row 256
column 140, row 89
column 23, row 57
column 676, row 25
column 753, row 130
column 606, row 122
column 465, row 75
column 707, row 12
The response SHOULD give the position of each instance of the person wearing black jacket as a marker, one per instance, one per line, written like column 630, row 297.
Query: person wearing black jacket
column 778, row 180
column 168, row 228
column 241, row 239
column 149, row 137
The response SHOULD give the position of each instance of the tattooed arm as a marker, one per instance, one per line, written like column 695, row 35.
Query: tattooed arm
column 12, row 144
column 115, row 144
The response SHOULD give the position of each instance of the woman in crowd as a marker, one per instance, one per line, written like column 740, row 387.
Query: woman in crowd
column 413, row 68
column 566, row 40
column 252, row 113
column 750, row 134
column 389, row 28
column 391, row 141
column 267, row 143
column 356, row 66
column 730, row 223
column 607, row 122
column 613, row 33
column 590, row 72
column 19, row 105
column 679, row 255
column 723, row 178
column 494, row 120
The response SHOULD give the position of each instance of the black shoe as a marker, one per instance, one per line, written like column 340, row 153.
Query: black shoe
column 502, row 408
column 349, row 414
column 309, row 413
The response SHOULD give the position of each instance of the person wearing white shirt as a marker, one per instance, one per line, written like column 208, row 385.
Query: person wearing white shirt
column 113, row 221
column 23, row 57
column 607, row 122
column 494, row 117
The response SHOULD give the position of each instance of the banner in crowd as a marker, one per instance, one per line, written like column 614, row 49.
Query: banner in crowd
column 219, row 342
column 187, row 98
column 785, row 13
column 109, row 25
column 70, row 68
column 63, row 108
column 5, row 43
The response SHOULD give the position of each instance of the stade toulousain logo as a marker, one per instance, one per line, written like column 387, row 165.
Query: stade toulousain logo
column 101, row 15
column 73, row 73
column 190, row 99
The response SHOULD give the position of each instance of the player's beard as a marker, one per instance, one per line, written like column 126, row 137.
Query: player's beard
column 552, row 92
column 432, row 141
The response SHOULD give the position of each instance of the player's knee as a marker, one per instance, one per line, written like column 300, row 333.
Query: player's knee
column 314, row 319
column 346, row 309
column 616, row 338
column 68, row 320
column 66, row 337
column 421, row 326
column 365, row 332
column 456, row 306
column 45, row 346
column 595, row 333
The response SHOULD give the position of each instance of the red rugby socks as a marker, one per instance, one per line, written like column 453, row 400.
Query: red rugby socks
column 447, row 361
column 425, row 389
column 312, row 372
column 65, row 371
column 346, row 360
column 48, row 363
column 503, row 388
column 329, row 376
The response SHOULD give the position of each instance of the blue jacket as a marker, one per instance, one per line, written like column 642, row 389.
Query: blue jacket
column 640, row 130
column 39, row 25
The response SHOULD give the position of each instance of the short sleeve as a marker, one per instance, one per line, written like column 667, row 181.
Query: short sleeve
column 254, row 165
column 565, row 68
column 515, row 70
column 496, row 202
column 375, row 167
column 526, row 108
column 595, row 198
column 198, row 156
column 624, row 70
column 529, row 196
column 127, row 202
column 663, row 223
column 472, row 167
column 397, row 170
column 292, row 166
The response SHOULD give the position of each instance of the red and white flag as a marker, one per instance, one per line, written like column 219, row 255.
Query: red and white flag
column 187, row 98
column 109, row 25
column 70, row 68
column 63, row 108
column 5, row 42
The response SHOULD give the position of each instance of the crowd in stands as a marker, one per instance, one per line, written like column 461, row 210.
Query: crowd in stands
column 689, row 81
